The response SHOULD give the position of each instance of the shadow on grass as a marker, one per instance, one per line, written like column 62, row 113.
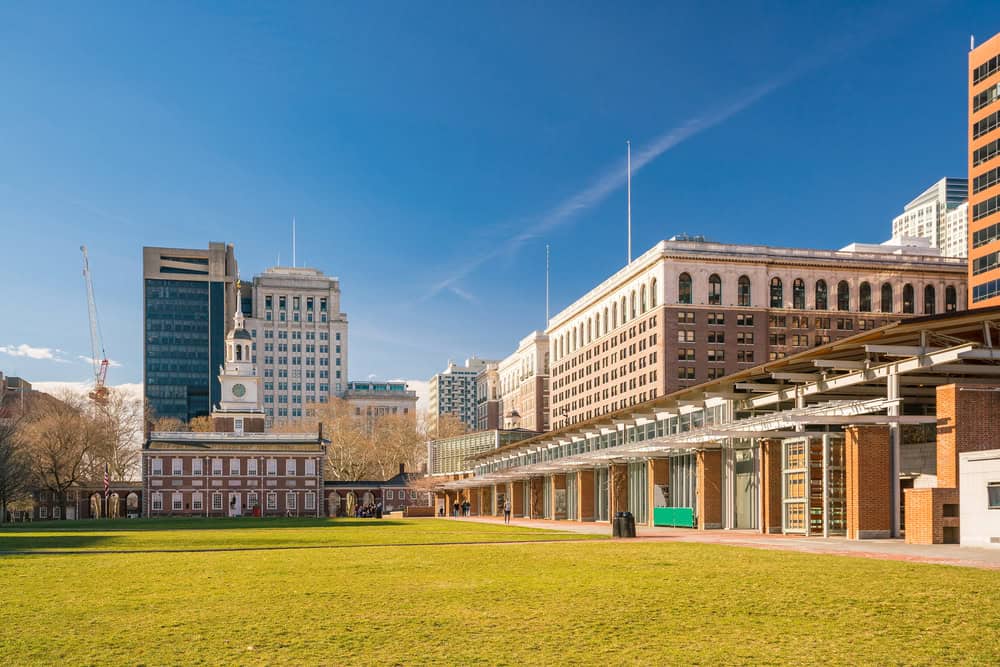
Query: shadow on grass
column 29, row 543
column 187, row 523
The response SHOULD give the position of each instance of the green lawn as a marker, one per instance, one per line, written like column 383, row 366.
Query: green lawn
column 590, row 602
column 187, row 534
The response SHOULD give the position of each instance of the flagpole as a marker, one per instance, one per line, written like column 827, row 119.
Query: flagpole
column 628, row 181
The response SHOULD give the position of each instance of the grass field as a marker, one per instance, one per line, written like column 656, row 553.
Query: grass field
column 590, row 602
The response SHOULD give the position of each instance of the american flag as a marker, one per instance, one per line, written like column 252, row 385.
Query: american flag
column 107, row 481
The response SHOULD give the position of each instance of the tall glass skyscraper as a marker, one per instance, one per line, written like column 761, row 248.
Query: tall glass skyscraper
column 188, row 298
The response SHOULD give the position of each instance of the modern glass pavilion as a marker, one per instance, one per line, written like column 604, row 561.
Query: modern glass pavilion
column 821, row 443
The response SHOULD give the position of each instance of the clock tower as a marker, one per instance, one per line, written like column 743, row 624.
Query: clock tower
column 240, row 408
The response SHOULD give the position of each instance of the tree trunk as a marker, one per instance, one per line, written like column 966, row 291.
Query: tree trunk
column 62, row 505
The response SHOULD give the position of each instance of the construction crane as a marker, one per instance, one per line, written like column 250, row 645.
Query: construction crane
column 97, row 356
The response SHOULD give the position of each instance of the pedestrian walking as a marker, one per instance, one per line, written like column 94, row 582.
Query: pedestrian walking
column 506, row 512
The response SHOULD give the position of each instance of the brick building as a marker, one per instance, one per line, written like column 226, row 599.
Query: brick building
column 399, row 492
column 238, row 469
column 690, row 311
column 860, row 438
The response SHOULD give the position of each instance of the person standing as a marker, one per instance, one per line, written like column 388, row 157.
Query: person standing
column 455, row 507
column 506, row 512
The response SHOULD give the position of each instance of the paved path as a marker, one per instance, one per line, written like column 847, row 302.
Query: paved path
column 944, row 554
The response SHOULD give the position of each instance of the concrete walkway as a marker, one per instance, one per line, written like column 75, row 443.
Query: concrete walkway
column 942, row 554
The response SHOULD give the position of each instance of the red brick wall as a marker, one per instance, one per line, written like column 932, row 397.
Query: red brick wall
column 770, row 487
column 925, row 520
column 968, row 421
column 585, row 495
column 709, row 489
column 869, row 509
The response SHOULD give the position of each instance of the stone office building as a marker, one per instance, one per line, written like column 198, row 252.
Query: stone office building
column 690, row 311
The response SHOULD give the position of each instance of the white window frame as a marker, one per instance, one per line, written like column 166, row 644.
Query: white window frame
column 217, row 496
column 177, row 466
column 291, row 501
column 251, row 467
column 252, row 499
column 43, row 512
column 197, row 466
column 272, row 500
column 234, row 467
column 176, row 501
column 197, row 502
column 413, row 495
column 272, row 467
column 310, row 467
column 156, row 502
column 310, row 501
column 56, row 512
column 156, row 466
column 388, row 494
column 291, row 469
column 217, row 467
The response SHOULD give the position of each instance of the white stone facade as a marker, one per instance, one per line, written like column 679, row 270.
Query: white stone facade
column 453, row 391
column 300, row 339
column 979, row 506
column 524, row 384
column 940, row 214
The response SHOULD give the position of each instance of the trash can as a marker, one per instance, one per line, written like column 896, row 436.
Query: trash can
column 628, row 524
column 623, row 525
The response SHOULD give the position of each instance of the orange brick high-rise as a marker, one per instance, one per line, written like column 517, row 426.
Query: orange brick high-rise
column 984, row 174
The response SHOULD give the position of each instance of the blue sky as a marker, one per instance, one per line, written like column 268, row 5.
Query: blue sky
column 429, row 151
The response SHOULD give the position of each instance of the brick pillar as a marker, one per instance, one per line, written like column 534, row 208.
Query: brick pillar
column 709, row 501
column 968, row 421
column 618, row 488
column 585, row 495
column 869, row 506
column 657, row 473
column 558, row 483
column 928, row 513
column 770, row 485
column 517, row 499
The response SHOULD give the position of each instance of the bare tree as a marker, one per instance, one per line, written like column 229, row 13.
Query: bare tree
column 63, row 442
column 445, row 426
column 395, row 440
column 170, row 424
column 201, row 425
column 120, row 418
column 15, row 469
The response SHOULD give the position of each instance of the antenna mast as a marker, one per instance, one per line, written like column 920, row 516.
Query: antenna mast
column 628, row 185
column 546, row 285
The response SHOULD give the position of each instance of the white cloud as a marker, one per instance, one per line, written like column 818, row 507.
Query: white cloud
column 111, row 362
column 31, row 352
column 132, row 389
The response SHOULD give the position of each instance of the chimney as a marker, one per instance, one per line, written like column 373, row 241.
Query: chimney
column 321, row 431
column 402, row 468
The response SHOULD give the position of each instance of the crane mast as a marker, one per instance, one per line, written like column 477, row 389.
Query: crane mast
column 97, row 355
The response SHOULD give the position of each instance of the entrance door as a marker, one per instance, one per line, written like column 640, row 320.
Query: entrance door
column 743, row 474
column 235, row 504
column 601, row 494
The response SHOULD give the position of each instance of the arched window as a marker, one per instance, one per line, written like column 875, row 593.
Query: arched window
column 239, row 353
column 777, row 296
column 631, row 300
column 799, row 294
column 929, row 300
column 821, row 300
column 652, row 293
column 843, row 295
column 684, row 288
column 743, row 291
column 950, row 299
column 605, row 319
column 597, row 325
column 865, row 298
column 574, row 339
column 908, row 298
column 624, row 311
column 714, row 290
column 614, row 315
column 886, row 298
column 590, row 329
column 583, row 341
column 642, row 299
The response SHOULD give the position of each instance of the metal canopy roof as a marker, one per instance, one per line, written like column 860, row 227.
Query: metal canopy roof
column 924, row 352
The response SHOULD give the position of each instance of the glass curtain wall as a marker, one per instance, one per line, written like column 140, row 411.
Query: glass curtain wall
column 600, row 494
column 571, row 509
column 638, row 491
